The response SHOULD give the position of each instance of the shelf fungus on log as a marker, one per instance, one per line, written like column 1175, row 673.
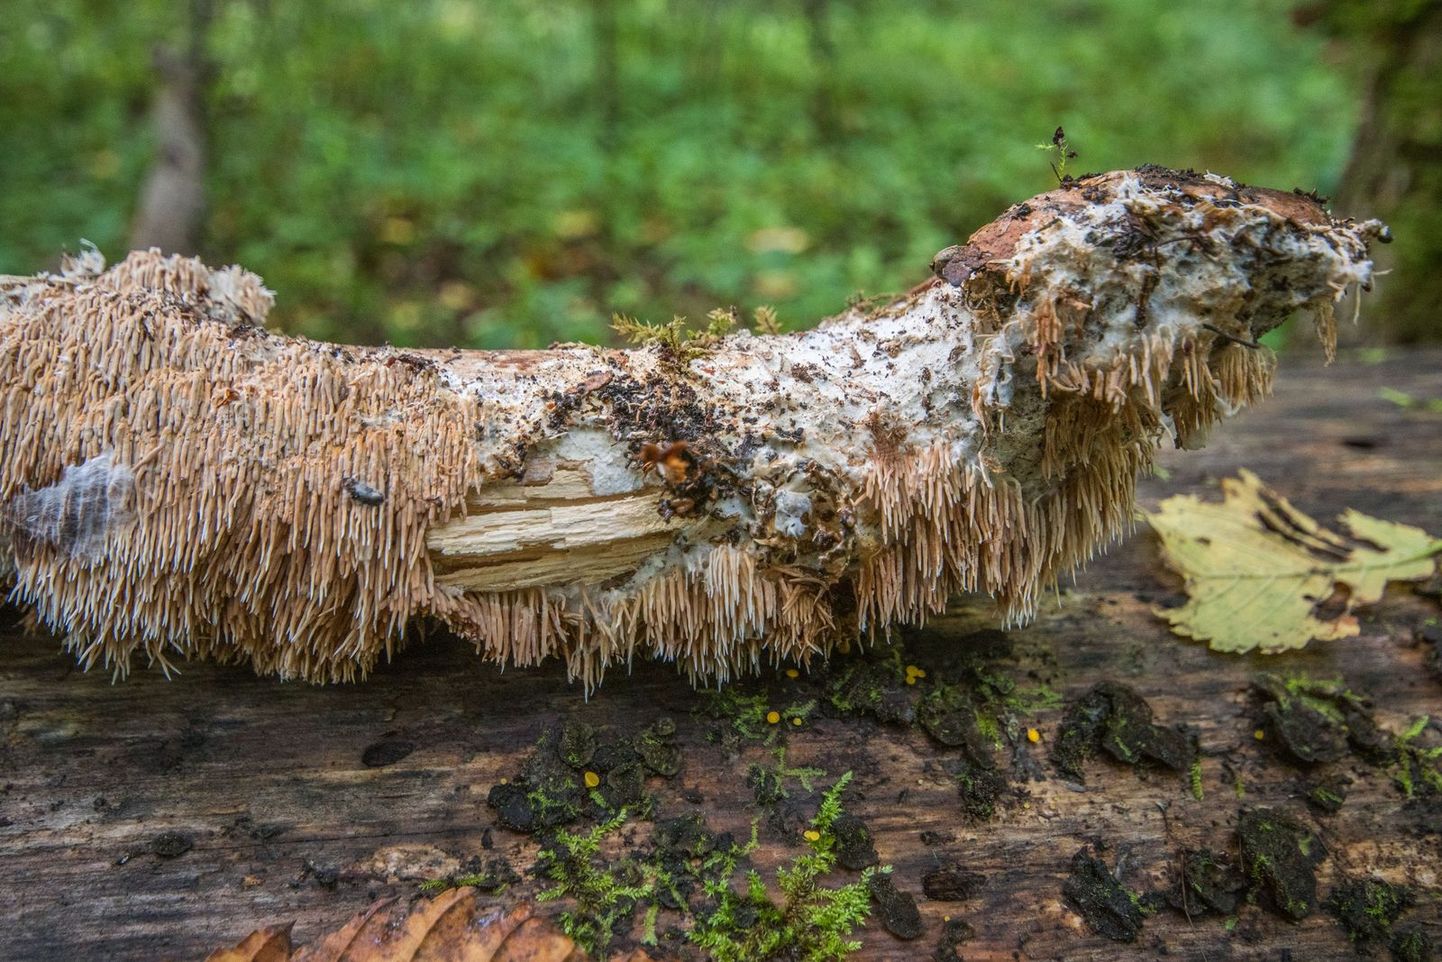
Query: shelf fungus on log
column 177, row 481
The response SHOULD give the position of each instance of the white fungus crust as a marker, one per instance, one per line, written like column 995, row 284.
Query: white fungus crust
column 721, row 504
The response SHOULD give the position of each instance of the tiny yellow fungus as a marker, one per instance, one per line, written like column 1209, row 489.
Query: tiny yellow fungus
column 1033, row 736
column 811, row 835
column 592, row 779
column 913, row 673
column 792, row 673
column 772, row 717
column 1259, row 734
column 796, row 722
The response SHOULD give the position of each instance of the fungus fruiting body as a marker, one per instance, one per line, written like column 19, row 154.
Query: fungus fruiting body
column 752, row 499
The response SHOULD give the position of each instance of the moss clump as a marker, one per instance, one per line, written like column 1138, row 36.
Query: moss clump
column 744, row 716
column 1312, row 721
column 1281, row 856
column 1366, row 908
column 495, row 876
column 1416, row 768
column 1326, row 798
column 1115, row 719
column 605, row 892
column 876, row 684
column 577, row 744
column 1207, row 883
column 979, row 785
column 1410, row 944
column 896, row 909
column 768, row 785
column 812, row 923
column 1108, row 908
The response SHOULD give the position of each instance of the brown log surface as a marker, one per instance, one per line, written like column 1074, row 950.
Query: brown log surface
column 101, row 783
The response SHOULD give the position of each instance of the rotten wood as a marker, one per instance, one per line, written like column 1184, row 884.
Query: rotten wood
column 159, row 819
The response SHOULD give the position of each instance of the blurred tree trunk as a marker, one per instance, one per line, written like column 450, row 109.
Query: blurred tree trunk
column 608, row 72
column 171, row 209
column 823, row 53
column 1395, row 170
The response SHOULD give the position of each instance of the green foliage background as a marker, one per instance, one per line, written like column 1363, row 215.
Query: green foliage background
column 439, row 171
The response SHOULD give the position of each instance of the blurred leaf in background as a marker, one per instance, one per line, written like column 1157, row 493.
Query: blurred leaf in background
column 505, row 173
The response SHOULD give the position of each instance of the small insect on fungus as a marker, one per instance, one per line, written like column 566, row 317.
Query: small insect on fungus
column 364, row 493
column 673, row 461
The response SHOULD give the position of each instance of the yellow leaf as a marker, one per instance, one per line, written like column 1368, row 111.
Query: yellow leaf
column 1256, row 568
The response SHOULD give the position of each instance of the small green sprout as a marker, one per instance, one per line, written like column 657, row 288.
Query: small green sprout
column 1062, row 152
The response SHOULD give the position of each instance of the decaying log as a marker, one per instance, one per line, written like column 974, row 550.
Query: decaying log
column 178, row 481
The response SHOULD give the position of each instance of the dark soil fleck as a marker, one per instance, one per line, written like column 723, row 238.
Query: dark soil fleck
column 624, row 785
column 1326, row 798
column 491, row 876
column 1207, row 883
column 1411, row 944
column 896, row 909
column 512, row 806
column 1431, row 637
column 1114, row 718
column 171, row 844
column 384, row 753
column 979, row 786
column 1280, row 856
column 870, row 686
column 613, row 755
column 327, row 877
column 1366, row 908
column 953, row 933
column 951, row 883
column 855, row 849
column 658, row 750
column 1106, row 906
column 765, row 785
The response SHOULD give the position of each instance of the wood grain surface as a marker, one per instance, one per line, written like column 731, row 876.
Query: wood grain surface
column 157, row 818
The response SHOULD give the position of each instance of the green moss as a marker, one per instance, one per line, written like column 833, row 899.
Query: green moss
column 742, row 716
column 1194, row 776
column 1280, row 856
column 812, row 922
column 1366, row 908
column 1417, row 768
column 675, row 337
column 768, row 785
column 605, row 892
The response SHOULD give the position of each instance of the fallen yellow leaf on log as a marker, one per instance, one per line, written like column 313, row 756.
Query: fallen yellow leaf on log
column 1258, row 571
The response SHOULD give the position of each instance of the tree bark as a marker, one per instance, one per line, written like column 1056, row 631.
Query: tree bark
column 170, row 213
column 178, row 481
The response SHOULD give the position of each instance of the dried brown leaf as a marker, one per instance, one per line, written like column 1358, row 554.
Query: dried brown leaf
column 270, row 944
column 448, row 928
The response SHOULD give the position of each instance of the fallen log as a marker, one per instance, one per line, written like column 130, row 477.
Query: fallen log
column 179, row 482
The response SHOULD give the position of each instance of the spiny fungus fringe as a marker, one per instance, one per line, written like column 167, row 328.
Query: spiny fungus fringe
column 178, row 482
